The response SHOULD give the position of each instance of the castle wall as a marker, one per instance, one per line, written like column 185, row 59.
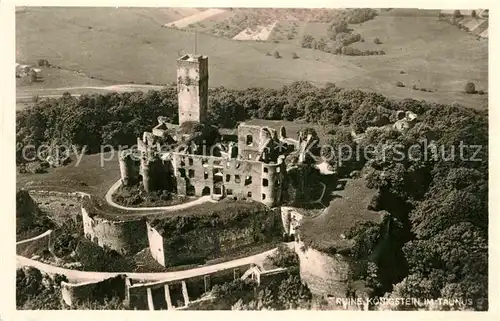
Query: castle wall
column 155, row 241
column 73, row 293
column 121, row 236
column 324, row 274
column 129, row 170
column 239, row 178
column 249, row 141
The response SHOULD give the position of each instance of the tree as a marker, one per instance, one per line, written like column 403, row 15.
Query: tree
column 33, row 76
column 470, row 88
column 277, row 55
column 377, row 41
column 295, row 56
column 473, row 14
column 307, row 41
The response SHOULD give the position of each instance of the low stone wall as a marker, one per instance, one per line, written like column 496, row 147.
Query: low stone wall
column 324, row 274
column 30, row 246
column 94, row 291
column 58, row 204
column 128, row 236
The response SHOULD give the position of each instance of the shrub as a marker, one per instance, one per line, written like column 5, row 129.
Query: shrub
column 377, row 41
column 473, row 14
column 268, row 53
column 400, row 84
column 402, row 72
column 295, row 56
column 277, row 55
column 470, row 88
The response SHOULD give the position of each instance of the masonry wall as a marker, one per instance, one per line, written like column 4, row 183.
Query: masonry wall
column 324, row 274
column 121, row 236
column 192, row 239
column 156, row 244
column 249, row 141
column 73, row 293
column 239, row 178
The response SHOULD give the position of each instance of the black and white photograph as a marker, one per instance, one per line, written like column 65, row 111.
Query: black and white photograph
column 251, row 158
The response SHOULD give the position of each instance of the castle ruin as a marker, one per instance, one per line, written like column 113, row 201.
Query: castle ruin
column 181, row 158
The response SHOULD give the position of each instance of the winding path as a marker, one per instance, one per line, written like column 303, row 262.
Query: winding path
column 85, row 276
column 115, row 186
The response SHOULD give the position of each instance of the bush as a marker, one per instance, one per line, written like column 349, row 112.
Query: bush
column 470, row 88
column 295, row 56
column 377, row 41
column 277, row 55
column 473, row 14
column 400, row 84
column 268, row 53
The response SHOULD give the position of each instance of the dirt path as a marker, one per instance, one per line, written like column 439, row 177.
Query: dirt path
column 115, row 186
column 84, row 276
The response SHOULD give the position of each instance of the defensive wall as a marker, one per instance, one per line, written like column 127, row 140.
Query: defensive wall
column 95, row 290
column 324, row 274
column 235, row 178
column 123, row 236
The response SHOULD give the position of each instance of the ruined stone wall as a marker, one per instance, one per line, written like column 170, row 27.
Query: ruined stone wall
column 155, row 241
column 58, row 204
column 196, row 239
column 239, row 178
column 324, row 274
column 73, row 293
column 249, row 141
column 129, row 168
column 199, row 244
column 122, row 236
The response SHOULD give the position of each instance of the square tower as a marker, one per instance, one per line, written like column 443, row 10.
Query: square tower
column 192, row 88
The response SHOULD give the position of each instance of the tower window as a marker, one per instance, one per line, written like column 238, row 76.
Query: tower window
column 265, row 182
column 205, row 175
column 237, row 179
column 248, row 180
column 249, row 139
column 191, row 173
column 190, row 161
column 228, row 177
column 266, row 170
column 263, row 196
column 249, row 194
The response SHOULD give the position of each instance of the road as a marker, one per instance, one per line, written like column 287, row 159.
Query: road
column 83, row 276
column 115, row 186
column 27, row 94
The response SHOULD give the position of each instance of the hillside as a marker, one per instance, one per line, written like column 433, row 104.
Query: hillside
column 130, row 45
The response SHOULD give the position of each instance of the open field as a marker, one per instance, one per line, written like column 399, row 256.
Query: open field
column 258, row 33
column 434, row 54
column 186, row 21
column 88, row 176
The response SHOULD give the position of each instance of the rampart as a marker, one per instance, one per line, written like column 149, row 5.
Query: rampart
column 324, row 274
column 226, row 228
column 94, row 290
column 123, row 236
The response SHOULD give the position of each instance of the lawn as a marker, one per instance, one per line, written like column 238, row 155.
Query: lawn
column 86, row 176
column 433, row 53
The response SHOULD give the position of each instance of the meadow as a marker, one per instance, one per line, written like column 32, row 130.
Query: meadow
column 130, row 45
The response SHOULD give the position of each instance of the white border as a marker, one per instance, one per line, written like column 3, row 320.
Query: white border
column 7, row 164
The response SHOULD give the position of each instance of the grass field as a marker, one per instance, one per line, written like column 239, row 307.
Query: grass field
column 87, row 176
column 123, row 46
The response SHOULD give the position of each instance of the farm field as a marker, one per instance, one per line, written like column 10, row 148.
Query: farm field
column 430, row 52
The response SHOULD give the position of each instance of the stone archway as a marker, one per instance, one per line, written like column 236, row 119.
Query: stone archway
column 205, row 191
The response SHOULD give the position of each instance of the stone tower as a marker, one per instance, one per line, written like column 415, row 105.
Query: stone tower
column 192, row 88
